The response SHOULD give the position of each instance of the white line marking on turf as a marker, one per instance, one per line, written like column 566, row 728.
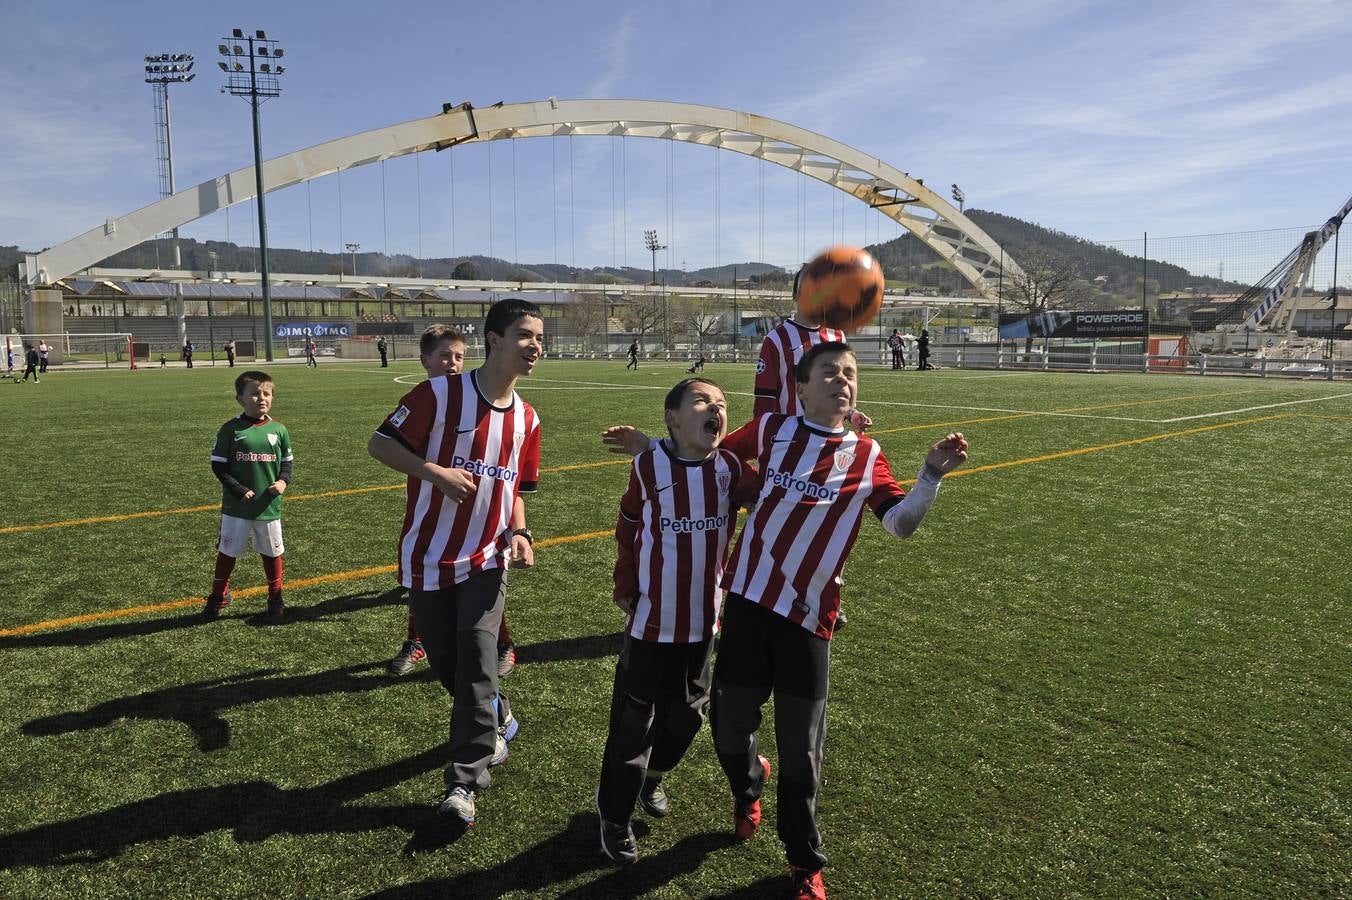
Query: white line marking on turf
column 1252, row 408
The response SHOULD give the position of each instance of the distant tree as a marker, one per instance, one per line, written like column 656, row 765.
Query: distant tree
column 1050, row 280
column 641, row 315
column 697, row 317
column 586, row 318
column 465, row 271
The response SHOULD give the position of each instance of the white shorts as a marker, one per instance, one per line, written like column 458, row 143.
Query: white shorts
column 267, row 536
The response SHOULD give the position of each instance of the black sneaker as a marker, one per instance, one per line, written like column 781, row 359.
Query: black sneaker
column 276, row 609
column 617, row 841
column 216, row 603
column 653, row 798
column 410, row 654
column 506, row 659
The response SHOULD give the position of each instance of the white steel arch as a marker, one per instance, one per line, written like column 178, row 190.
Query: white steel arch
column 892, row 192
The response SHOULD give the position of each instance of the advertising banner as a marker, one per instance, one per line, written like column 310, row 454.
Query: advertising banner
column 1062, row 323
column 313, row 329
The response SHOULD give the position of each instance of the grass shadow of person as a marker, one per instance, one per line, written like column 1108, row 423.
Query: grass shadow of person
column 83, row 637
column 199, row 705
column 252, row 810
column 589, row 646
column 538, row 870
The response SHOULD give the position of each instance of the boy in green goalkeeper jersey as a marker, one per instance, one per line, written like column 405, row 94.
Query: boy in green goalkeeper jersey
column 252, row 459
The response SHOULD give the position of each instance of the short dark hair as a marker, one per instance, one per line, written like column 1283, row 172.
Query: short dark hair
column 251, row 375
column 803, row 371
column 676, row 395
column 435, row 334
column 503, row 313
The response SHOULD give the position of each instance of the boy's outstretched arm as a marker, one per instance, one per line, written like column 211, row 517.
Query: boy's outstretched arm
column 901, row 516
column 626, row 439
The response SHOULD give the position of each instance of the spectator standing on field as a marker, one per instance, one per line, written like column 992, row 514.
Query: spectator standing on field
column 384, row 357
column 43, row 350
column 187, row 353
column 898, row 349
column 633, row 357
column 230, row 352
column 31, row 363
column 310, row 349
column 922, row 361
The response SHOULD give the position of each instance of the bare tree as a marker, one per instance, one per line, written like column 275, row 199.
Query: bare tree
column 697, row 317
column 1050, row 280
column 586, row 318
column 641, row 315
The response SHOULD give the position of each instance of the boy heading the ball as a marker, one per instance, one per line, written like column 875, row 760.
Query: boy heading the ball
column 470, row 447
column 252, row 460
column 783, row 584
column 676, row 517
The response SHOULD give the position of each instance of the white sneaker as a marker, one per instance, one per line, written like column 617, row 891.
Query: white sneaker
column 459, row 802
column 499, row 751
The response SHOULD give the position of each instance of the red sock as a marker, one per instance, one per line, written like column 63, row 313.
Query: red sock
column 412, row 629
column 272, row 570
column 220, row 579
column 504, row 633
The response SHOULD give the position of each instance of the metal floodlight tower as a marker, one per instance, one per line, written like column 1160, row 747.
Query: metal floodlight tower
column 959, row 197
column 353, row 247
column 162, row 70
column 650, row 239
column 251, row 68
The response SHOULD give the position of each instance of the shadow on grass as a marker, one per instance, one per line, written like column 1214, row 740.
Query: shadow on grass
column 199, row 705
column 591, row 646
column 563, row 857
column 83, row 637
column 252, row 810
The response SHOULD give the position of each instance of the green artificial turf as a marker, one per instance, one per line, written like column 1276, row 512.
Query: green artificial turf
column 1115, row 672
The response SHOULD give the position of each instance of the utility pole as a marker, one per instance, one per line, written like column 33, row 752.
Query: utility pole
column 260, row 85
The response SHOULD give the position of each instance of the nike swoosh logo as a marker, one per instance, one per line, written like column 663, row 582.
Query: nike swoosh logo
column 665, row 487
column 465, row 430
column 240, row 437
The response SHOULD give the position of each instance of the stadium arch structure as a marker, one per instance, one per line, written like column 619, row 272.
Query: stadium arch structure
column 892, row 192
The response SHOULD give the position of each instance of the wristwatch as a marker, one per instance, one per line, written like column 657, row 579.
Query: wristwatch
column 525, row 533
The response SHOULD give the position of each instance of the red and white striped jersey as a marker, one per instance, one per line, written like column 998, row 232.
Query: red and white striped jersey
column 447, row 421
column 675, row 521
column 776, row 385
column 814, row 485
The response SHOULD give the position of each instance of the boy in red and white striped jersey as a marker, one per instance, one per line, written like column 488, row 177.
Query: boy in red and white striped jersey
column 675, row 520
column 469, row 446
column 783, row 584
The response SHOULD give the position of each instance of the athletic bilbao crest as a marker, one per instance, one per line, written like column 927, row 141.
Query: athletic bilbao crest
column 724, row 483
column 272, row 439
column 844, row 459
column 518, row 438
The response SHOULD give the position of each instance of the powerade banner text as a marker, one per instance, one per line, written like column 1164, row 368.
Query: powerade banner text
column 1058, row 323
column 314, row 329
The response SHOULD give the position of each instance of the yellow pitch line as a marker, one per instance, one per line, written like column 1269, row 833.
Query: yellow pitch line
column 295, row 498
column 352, row 574
column 568, row 539
column 1063, row 454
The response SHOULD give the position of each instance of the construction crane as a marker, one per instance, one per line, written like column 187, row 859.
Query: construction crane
column 1270, row 305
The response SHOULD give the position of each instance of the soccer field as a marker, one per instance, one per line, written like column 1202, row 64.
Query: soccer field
column 1113, row 661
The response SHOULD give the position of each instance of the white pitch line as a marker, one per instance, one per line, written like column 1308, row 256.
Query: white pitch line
column 1250, row 409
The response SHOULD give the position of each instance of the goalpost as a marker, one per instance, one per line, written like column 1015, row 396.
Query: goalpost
column 112, row 348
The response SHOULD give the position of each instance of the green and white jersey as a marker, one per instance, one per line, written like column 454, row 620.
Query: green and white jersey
column 254, row 451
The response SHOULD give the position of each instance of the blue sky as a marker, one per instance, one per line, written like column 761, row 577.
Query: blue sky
column 1101, row 119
